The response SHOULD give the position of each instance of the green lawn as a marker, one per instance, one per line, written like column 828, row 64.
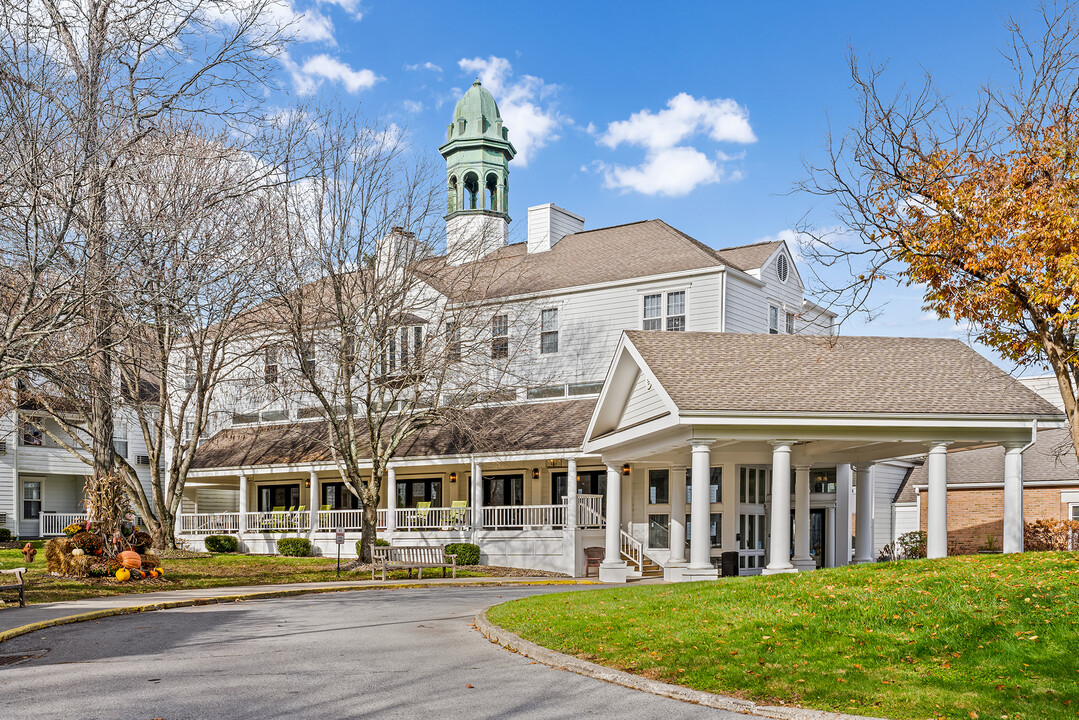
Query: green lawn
column 989, row 636
column 216, row 571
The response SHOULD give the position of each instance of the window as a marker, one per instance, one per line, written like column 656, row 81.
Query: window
column 31, row 431
column 1075, row 512
column 119, row 439
column 190, row 373
column 653, row 316
column 307, row 359
column 715, row 485
column 790, row 323
column 676, row 310
column 659, row 531
column 751, row 483
column 658, row 484
column 453, row 341
column 715, row 529
column 500, row 337
column 417, row 342
column 404, row 347
column 31, row 499
column 773, row 320
column 653, row 312
column 549, row 331
column 189, row 429
column 392, row 352
column 270, row 368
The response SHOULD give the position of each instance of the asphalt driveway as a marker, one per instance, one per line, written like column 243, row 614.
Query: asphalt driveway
column 408, row 653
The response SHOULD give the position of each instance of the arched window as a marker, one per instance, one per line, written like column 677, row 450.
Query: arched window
column 472, row 191
column 452, row 191
column 492, row 192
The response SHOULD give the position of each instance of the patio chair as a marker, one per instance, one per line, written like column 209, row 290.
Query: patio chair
column 272, row 522
column 459, row 512
column 423, row 510
column 593, row 556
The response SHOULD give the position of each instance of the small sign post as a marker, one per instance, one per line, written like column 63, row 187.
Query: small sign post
column 340, row 538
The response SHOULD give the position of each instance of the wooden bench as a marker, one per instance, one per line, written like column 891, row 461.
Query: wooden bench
column 407, row 557
column 593, row 556
column 19, row 584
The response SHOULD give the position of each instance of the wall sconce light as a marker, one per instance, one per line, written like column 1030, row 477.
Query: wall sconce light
column 307, row 483
column 625, row 469
column 453, row 477
column 535, row 473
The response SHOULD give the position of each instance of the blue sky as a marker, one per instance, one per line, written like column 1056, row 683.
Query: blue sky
column 697, row 113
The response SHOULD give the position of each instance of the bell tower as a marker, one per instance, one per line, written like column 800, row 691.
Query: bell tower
column 477, row 152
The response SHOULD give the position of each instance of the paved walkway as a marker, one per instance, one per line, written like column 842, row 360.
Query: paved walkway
column 12, row 616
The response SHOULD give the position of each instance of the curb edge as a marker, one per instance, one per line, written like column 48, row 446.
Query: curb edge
column 560, row 661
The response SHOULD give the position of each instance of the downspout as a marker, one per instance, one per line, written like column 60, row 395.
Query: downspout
column 1033, row 435
column 15, row 477
column 723, row 301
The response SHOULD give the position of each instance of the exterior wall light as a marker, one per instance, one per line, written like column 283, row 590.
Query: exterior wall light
column 453, row 477
column 535, row 473
column 307, row 483
column 625, row 469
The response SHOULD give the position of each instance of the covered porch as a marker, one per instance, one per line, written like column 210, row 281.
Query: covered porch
column 762, row 416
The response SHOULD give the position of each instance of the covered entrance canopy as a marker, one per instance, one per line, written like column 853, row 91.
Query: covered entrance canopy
column 793, row 401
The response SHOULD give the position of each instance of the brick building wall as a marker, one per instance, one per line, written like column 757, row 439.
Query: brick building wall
column 976, row 514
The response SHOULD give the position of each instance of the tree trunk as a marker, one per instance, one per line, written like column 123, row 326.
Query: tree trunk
column 368, row 532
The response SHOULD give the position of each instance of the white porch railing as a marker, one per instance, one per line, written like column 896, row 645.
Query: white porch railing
column 590, row 511
column 208, row 523
column 330, row 520
column 380, row 524
column 632, row 549
column 54, row 523
column 442, row 518
column 282, row 522
column 514, row 516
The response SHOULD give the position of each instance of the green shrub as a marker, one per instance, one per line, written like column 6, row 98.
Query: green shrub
column 467, row 553
column 294, row 547
column 5, row 535
column 911, row 545
column 379, row 542
column 221, row 544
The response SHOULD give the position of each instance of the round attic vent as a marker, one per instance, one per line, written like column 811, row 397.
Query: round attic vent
column 782, row 268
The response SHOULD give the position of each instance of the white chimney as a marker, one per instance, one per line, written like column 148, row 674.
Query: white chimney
column 547, row 224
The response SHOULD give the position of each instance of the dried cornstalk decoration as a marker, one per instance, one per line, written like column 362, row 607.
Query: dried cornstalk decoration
column 106, row 504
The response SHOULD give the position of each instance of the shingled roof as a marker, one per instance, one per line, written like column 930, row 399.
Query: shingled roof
column 749, row 257
column 1051, row 459
column 521, row 427
column 776, row 373
column 610, row 254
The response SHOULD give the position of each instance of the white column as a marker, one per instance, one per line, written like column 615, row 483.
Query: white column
column 1013, row 497
column 829, row 537
column 243, row 503
column 571, row 494
column 936, row 531
column 678, row 515
column 802, row 559
column 842, row 530
column 313, row 505
column 700, row 545
column 477, row 496
column 613, row 568
column 779, row 548
column 863, row 514
column 391, row 500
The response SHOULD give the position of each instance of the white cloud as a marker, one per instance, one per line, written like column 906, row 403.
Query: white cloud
column 671, row 167
column 352, row 7
column 525, row 104
column 424, row 66
column 412, row 106
column 319, row 68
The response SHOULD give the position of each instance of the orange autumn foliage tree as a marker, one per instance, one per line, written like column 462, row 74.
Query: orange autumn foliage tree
column 994, row 238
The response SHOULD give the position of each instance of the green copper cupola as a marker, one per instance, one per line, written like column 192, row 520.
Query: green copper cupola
column 477, row 152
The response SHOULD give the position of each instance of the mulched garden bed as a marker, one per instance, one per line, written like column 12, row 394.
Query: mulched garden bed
column 181, row 554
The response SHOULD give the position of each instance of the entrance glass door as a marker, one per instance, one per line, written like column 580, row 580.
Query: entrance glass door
column 816, row 536
column 501, row 490
column 278, row 496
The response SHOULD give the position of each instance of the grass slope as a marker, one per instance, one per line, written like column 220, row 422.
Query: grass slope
column 990, row 636
column 222, row 570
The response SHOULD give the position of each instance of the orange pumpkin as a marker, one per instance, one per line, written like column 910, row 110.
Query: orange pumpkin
column 129, row 559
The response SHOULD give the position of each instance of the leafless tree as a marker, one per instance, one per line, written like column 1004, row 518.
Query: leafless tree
column 370, row 328
column 84, row 83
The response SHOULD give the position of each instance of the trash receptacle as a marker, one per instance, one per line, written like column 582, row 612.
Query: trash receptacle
column 729, row 564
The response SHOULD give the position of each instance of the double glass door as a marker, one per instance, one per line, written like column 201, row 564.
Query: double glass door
column 589, row 482
column 500, row 490
column 817, row 529
column 278, row 496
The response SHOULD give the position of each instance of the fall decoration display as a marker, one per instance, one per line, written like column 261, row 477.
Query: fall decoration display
column 89, row 542
column 78, row 551
column 123, row 574
column 73, row 528
column 28, row 552
column 129, row 559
